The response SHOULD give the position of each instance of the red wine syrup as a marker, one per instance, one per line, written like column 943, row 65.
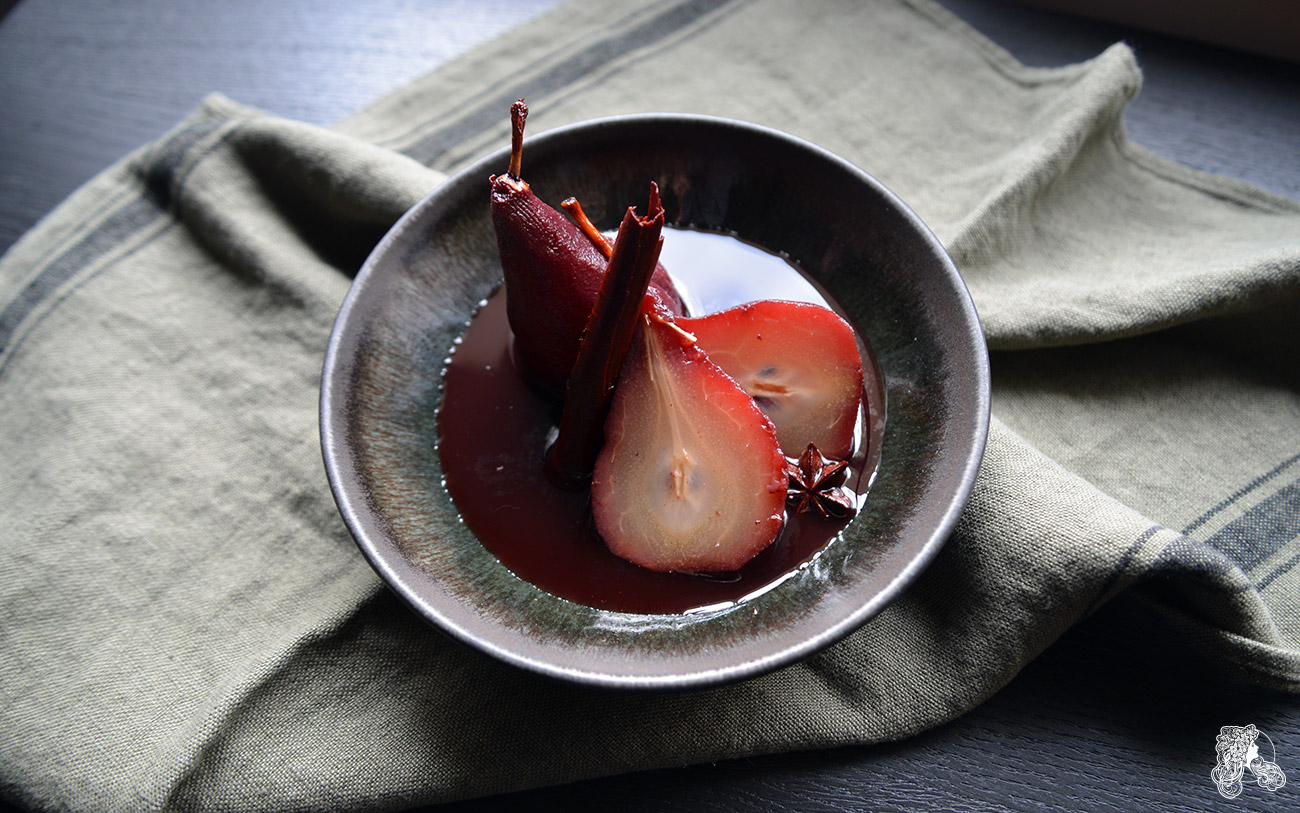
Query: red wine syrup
column 493, row 430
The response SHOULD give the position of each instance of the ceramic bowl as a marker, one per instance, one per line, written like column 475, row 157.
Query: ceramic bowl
column 857, row 240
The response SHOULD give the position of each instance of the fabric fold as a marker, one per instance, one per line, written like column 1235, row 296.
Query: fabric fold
column 1057, row 136
column 163, row 476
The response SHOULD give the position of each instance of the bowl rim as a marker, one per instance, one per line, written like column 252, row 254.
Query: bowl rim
column 336, row 448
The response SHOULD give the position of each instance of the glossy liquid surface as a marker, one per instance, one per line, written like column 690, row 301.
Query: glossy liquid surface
column 493, row 429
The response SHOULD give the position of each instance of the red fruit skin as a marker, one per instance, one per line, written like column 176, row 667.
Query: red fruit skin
column 799, row 361
column 734, row 505
column 552, row 275
column 662, row 285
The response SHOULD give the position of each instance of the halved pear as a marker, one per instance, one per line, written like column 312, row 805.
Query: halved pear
column 691, row 477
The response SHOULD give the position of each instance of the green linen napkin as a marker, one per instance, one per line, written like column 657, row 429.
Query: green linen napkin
column 187, row 624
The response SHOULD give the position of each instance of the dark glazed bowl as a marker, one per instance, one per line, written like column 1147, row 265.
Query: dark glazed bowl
column 416, row 292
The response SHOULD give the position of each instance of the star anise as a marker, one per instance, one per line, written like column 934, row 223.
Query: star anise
column 813, row 486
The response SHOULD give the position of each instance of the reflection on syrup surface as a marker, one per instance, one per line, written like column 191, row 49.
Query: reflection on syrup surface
column 492, row 431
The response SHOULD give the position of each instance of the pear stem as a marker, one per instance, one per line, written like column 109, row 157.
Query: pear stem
column 518, row 115
column 594, row 234
column 605, row 344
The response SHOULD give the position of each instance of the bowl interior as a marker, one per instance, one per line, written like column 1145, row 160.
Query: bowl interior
column 863, row 246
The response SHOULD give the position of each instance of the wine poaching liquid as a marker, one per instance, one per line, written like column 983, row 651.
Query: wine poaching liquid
column 493, row 430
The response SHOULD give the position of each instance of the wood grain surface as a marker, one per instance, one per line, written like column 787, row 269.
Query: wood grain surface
column 1118, row 715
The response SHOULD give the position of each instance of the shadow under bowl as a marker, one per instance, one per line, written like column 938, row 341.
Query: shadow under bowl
column 864, row 247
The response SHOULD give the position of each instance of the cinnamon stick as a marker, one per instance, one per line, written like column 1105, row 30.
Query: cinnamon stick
column 605, row 344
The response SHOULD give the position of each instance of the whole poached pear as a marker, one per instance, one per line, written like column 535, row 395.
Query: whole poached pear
column 690, row 474
column 553, row 272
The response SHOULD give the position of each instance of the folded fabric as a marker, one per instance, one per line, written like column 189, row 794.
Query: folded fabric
column 187, row 624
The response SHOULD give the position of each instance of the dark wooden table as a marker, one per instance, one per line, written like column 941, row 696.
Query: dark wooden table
column 1118, row 715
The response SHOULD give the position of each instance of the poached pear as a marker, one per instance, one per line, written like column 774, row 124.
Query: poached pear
column 800, row 363
column 691, row 478
column 552, row 273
